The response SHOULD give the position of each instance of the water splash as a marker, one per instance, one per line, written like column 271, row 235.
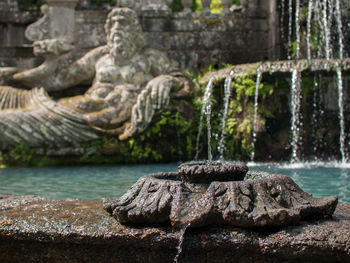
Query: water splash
column 227, row 96
column 181, row 240
column 295, row 110
column 204, row 111
column 341, row 115
column 258, row 81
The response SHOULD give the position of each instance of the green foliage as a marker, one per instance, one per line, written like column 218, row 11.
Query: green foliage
column 176, row 6
column 21, row 154
column 29, row 4
column 236, row 2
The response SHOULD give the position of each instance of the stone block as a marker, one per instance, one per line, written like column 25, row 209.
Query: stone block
column 157, row 40
column 157, row 25
column 32, row 229
column 184, row 41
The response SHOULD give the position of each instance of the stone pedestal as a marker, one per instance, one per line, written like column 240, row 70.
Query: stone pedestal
column 37, row 230
column 61, row 16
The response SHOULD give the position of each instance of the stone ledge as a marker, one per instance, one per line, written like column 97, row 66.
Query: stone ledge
column 40, row 230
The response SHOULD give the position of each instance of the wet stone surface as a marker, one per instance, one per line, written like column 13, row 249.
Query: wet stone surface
column 206, row 172
column 260, row 200
column 81, row 231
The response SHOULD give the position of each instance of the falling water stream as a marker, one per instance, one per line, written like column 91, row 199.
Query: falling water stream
column 326, row 29
column 206, row 110
column 181, row 240
column 339, row 28
column 295, row 109
column 341, row 115
column 258, row 80
column 322, row 16
column 290, row 26
column 297, row 28
column 227, row 96
column 308, row 29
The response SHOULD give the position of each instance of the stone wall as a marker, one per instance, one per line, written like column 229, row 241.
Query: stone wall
column 245, row 34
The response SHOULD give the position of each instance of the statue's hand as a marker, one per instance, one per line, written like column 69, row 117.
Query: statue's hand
column 55, row 47
column 6, row 74
column 154, row 97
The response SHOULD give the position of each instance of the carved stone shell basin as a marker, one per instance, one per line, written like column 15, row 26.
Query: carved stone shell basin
column 260, row 199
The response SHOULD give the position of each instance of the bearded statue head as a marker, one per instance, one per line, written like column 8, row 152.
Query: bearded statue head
column 124, row 34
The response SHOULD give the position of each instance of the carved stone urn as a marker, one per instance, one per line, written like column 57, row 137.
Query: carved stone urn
column 217, row 193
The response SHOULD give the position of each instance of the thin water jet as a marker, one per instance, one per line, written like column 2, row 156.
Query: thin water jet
column 308, row 29
column 290, row 27
column 227, row 97
column 297, row 29
column 256, row 97
column 204, row 109
column 341, row 115
column 339, row 29
column 295, row 110
column 181, row 240
column 326, row 29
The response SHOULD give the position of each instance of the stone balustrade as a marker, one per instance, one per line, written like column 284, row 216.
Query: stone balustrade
column 164, row 5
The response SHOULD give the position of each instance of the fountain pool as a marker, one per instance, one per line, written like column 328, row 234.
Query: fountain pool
column 96, row 182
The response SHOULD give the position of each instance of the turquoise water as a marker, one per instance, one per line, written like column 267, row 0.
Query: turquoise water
column 96, row 182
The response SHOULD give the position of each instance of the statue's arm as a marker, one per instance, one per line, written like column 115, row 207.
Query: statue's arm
column 82, row 69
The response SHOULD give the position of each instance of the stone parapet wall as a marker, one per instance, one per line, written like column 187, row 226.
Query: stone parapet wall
column 194, row 40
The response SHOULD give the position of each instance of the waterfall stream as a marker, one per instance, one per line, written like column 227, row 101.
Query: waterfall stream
column 297, row 29
column 308, row 29
column 227, row 97
column 341, row 115
column 295, row 109
column 206, row 110
column 256, row 97
column 181, row 240
column 322, row 16
column 339, row 28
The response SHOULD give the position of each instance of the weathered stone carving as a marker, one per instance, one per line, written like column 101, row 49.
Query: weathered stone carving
column 131, row 84
column 261, row 199
column 53, row 36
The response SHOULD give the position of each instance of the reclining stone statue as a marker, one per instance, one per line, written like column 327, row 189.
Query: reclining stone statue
column 130, row 85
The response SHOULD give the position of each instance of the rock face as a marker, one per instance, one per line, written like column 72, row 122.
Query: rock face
column 260, row 200
column 39, row 230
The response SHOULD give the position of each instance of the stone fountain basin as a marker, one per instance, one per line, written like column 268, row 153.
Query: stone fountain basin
column 34, row 229
column 260, row 200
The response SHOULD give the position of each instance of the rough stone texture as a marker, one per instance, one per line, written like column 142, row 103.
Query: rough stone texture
column 261, row 200
column 206, row 172
column 208, row 39
column 81, row 231
column 279, row 67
